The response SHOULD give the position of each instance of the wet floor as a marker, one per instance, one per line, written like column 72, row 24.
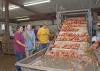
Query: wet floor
column 7, row 62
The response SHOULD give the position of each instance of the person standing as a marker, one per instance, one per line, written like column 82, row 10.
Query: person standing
column 43, row 36
column 35, row 30
column 29, row 40
column 19, row 45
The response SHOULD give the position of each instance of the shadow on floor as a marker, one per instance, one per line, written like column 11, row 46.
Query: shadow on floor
column 7, row 62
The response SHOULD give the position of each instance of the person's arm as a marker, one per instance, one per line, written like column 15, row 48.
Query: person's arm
column 38, row 33
column 48, row 32
column 17, row 39
column 34, row 39
column 20, row 43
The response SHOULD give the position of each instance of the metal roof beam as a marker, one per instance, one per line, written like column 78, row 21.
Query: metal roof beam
column 49, row 16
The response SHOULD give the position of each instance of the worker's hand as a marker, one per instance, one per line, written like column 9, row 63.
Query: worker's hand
column 24, row 45
column 37, row 37
column 97, row 41
column 95, row 45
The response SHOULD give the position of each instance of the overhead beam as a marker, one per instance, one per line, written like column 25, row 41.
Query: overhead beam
column 49, row 16
column 95, row 9
column 22, row 6
column 10, row 20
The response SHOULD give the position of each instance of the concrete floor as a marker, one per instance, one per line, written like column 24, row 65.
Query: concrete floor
column 7, row 62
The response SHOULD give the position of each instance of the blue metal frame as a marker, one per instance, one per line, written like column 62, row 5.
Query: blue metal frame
column 90, row 23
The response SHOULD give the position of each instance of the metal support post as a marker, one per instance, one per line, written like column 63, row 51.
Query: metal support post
column 7, row 32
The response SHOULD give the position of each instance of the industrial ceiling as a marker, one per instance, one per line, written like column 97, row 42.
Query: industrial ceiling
column 49, row 7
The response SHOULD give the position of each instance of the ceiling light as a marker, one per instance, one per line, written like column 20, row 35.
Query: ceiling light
column 23, row 19
column 36, row 2
column 11, row 7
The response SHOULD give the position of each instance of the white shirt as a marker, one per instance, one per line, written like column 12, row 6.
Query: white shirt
column 94, row 38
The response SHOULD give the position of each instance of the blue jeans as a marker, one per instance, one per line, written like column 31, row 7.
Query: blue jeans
column 19, row 56
column 44, row 45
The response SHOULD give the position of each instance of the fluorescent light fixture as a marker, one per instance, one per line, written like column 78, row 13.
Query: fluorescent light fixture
column 11, row 7
column 36, row 2
column 23, row 19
